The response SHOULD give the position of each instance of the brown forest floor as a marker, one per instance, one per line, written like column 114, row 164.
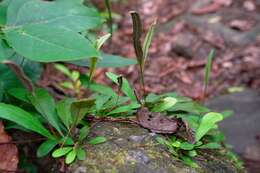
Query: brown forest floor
column 186, row 32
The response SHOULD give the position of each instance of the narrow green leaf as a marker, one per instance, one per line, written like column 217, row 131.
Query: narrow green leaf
column 81, row 154
column 208, row 69
column 110, row 19
column 160, row 140
column 208, row 122
column 70, row 157
column 126, row 108
column 148, row 40
column 46, row 147
column 61, row 152
column 63, row 69
column 63, row 108
column 83, row 133
column 164, row 104
column 24, row 119
column 211, row 145
column 137, row 33
column 186, row 146
column 126, row 88
column 102, row 40
column 97, row 140
column 188, row 161
column 45, row 104
column 19, row 93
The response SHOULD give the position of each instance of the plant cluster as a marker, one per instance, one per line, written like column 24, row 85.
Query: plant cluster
column 62, row 31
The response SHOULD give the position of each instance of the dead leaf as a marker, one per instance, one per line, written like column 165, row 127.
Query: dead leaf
column 8, row 152
column 241, row 25
column 156, row 122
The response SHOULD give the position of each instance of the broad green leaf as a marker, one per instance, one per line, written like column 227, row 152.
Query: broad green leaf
column 71, row 156
column 81, row 154
column 83, row 133
column 164, row 104
column 97, row 140
column 148, row 40
column 126, row 88
column 23, row 118
column 46, row 147
column 63, row 108
column 5, row 51
column 186, row 146
column 45, row 104
column 61, row 152
column 207, row 122
column 192, row 153
column 126, row 108
column 102, row 89
column 100, row 100
column 65, row 14
column 49, row 44
column 211, row 145
column 106, row 60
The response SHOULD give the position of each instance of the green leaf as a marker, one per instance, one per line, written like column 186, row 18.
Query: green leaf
column 97, row 140
column 126, row 108
column 106, row 60
column 211, row 145
column 3, row 11
column 8, row 78
column 63, row 69
column 24, row 119
column 192, row 153
column 190, row 106
column 20, row 94
column 63, row 108
column 67, row 14
column 70, row 157
column 61, row 152
column 81, row 154
column 126, row 88
column 188, row 161
column 46, row 147
column 45, row 104
column 83, row 133
column 186, row 146
column 79, row 109
column 164, row 104
column 5, row 51
column 208, row 68
column 160, row 140
column 102, row 40
column 208, row 121
column 148, row 40
column 137, row 33
column 49, row 44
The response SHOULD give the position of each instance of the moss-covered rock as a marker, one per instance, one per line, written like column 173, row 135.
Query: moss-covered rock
column 132, row 149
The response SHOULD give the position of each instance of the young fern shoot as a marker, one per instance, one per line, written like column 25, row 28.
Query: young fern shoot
column 141, row 51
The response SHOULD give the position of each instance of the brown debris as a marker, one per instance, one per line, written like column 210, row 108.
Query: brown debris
column 8, row 152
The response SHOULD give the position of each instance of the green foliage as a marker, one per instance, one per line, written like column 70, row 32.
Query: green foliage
column 208, row 70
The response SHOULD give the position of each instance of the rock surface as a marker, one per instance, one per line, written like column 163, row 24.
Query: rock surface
column 131, row 149
column 242, row 130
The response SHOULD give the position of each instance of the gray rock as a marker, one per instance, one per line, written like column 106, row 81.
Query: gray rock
column 139, row 153
column 241, row 128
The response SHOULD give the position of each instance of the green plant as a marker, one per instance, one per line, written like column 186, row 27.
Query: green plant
column 62, row 118
column 59, row 31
